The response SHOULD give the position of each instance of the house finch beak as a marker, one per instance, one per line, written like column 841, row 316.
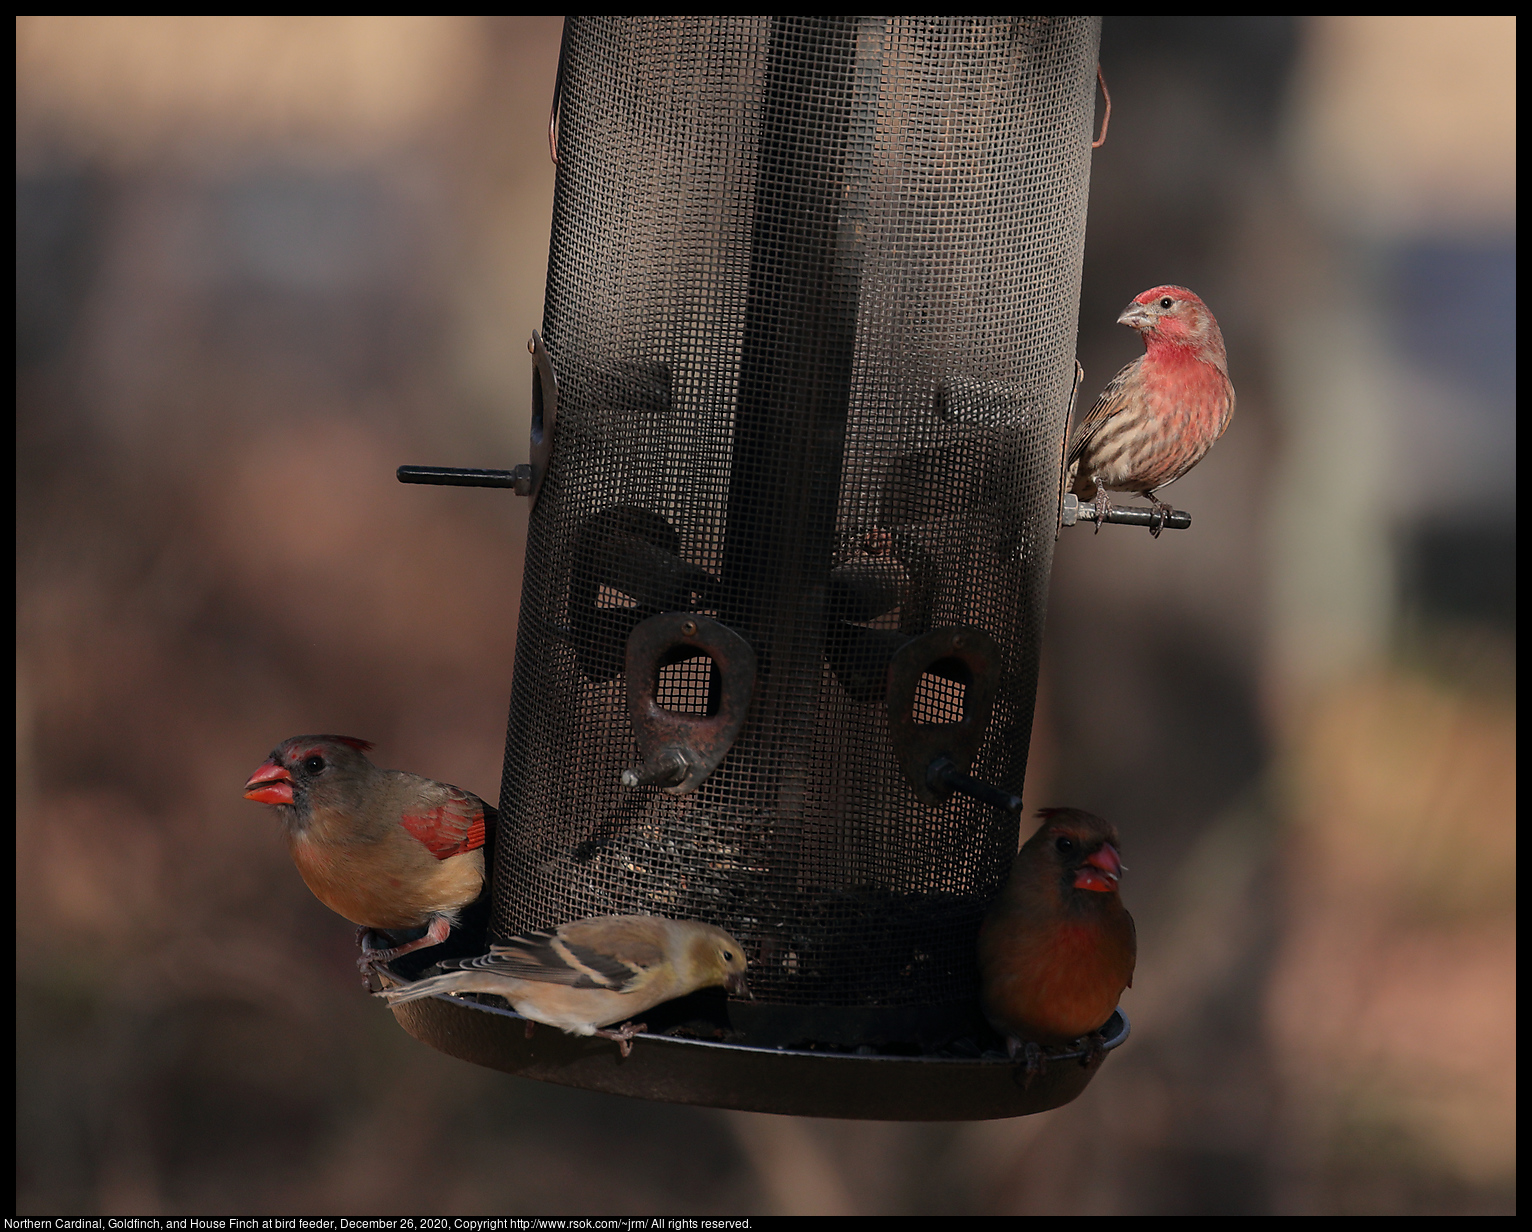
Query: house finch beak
column 386, row 849
column 1057, row 947
column 584, row 976
column 1161, row 413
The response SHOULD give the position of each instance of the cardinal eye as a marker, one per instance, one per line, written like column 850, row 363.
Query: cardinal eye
column 1166, row 302
column 1066, row 845
column 313, row 764
column 728, row 957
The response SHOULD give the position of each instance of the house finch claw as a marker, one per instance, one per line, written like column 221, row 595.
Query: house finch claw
column 1161, row 512
column 1103, row 508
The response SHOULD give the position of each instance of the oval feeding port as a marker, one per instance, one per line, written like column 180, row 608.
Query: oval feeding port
column 941, row 692
column 690, row 681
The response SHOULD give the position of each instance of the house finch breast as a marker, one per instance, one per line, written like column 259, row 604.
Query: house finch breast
column 588, row 974
column 386, row 849
column 1162, row 412
column 1057, row 946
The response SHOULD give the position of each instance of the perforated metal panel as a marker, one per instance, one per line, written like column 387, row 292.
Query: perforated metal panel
column 812, row 300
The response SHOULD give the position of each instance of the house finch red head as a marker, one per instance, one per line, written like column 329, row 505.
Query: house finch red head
column 1057, row 947
column 585, row 975
column 1162, row 412
column 386, row 849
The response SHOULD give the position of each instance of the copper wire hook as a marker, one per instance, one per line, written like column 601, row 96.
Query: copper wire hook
column 558, row 93
column 1107, row 118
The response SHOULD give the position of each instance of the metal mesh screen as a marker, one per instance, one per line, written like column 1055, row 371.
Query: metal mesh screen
column 812, row 299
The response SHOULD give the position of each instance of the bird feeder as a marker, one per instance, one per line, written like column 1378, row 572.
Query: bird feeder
column 800, row 397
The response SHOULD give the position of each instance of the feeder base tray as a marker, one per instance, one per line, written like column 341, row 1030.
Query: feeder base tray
column 863, row 1085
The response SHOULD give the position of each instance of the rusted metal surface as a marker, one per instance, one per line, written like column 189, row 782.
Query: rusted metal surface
column 681, row 750
column 968, row 657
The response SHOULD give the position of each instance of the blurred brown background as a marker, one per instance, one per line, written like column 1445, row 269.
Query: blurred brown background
column 262, row 261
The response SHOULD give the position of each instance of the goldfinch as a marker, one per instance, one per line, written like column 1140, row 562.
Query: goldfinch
column 586, row 975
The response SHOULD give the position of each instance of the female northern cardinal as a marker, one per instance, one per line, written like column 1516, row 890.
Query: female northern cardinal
column 1161, row 413
column 384, row 848
column 1057, row 947
column 588, row 974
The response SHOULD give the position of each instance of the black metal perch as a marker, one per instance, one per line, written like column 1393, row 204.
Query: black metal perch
column 1076, row 510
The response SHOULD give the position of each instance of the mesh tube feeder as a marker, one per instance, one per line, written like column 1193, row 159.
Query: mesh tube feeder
column 800, row 397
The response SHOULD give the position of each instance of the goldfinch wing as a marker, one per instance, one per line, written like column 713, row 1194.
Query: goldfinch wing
column 613, row 953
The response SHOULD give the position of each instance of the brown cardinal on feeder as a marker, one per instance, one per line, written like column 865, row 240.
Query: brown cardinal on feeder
column 588, row 974
column 1157, row 417
column 1057, row 947
column 386, row 849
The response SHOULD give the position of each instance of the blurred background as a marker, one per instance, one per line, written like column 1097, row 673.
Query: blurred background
column 261, row 261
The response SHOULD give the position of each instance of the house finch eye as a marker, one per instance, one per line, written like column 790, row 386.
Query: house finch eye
column 1166, row 302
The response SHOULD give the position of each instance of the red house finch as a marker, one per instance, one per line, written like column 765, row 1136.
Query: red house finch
column 386, row 849
column 1057, row 946
column 591, row 973
column 1161, row 413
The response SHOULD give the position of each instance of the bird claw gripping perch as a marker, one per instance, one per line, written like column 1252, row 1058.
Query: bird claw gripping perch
column 1034, row 1063
column 374, row 956
column 1161, row 517
column 624, row 1035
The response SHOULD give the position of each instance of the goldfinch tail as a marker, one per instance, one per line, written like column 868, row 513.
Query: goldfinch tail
column 449, row 981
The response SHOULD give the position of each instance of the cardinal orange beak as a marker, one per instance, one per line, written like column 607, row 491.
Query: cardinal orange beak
column 270, row 784
column 1101, row 870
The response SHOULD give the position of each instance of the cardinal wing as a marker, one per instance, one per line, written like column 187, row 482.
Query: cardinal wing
column 448, row 820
